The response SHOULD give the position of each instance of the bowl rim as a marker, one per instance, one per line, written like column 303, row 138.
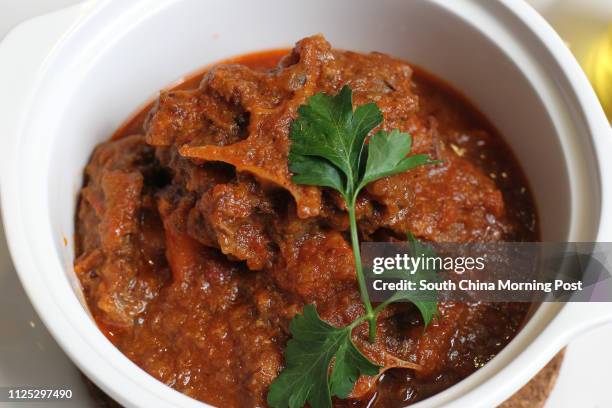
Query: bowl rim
column 25, row 260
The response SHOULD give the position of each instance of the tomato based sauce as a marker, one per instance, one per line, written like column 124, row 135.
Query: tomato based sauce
column 195, row 250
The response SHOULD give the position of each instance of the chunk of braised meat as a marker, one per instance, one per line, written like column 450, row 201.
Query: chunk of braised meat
column 193, row 178
column 314, row 263
column 224, row 210
column 238, row 116
column 122, row 263
column 236, row 217
column 241, row 116
column 453, row 202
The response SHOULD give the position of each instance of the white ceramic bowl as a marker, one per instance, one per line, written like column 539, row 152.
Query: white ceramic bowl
column 69, row 79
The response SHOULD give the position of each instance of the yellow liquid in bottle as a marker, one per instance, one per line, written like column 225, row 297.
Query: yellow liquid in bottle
column 588, row 34
column 598, row 66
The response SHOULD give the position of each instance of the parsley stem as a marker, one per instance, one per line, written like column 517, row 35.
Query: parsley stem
column 384, row 304
column 365, row 297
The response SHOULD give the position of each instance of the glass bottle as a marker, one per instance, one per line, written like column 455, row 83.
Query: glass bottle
column 586, row 27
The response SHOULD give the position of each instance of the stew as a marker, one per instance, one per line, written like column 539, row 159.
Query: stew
column 195, row 249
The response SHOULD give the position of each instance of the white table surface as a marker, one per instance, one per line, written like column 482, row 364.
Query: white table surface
column 29, row 356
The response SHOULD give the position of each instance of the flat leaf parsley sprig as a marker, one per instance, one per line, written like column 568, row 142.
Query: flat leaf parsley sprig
column 329, row 149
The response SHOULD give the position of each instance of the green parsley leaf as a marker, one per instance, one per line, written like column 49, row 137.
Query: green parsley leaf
column 328, row 131
column 308, row 355
column 348, row 366
column 387, row 156
column 425, row 301
column 315, row 171
column 328, row 145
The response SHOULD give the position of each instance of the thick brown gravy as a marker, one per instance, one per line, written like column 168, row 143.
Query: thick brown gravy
column 194, row 268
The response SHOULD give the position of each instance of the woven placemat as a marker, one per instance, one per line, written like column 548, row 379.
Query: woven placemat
column 535, row 393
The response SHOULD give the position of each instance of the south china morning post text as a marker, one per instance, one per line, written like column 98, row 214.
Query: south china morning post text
column 470, row 285
column 490, row 272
